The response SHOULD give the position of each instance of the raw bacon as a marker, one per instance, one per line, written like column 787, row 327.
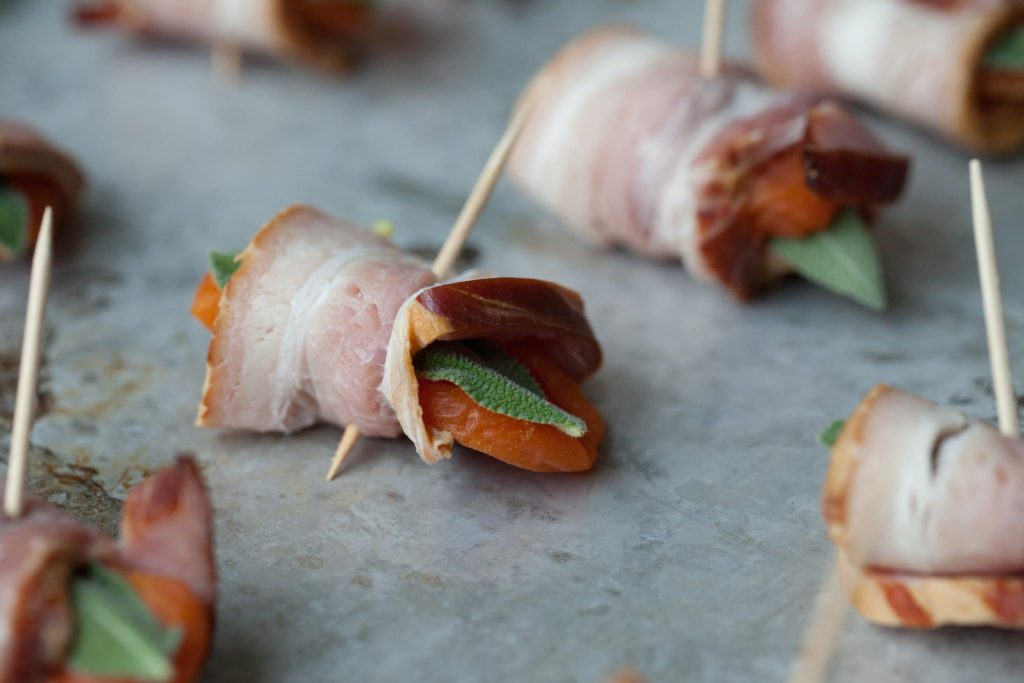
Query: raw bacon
column 42, row 173
column 629, row 145
column 303, row 327
column 921, row 60
column 321, row 322
column 926, row 505
column 322, row 34
column 167, row 543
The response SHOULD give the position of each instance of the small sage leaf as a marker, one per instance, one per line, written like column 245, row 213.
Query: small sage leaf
column 1007, row 52
column 115, row 633
column 459, row 364
column 14, row 217
column 841, row 259
column 223, row 265
column 830, row 434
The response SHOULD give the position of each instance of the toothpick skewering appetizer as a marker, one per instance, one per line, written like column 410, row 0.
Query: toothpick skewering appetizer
column 924, row 503
column 34, row 174
column 953, row 66
column 71, row 598
column 630, row 145
column 926, row 507
column 318, row 320
column 325, row 34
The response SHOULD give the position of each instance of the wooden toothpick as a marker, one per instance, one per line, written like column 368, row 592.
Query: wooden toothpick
column 28, row 373
column 456, row 240
column 711, row 41
column 822, row 631
column 988, row 270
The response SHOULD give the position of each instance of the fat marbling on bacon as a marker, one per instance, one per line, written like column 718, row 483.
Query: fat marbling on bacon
column 166, row 546
column 629, row 145
column 920, row 59
column 927, row 508
column 303, row 328
column 293, row 29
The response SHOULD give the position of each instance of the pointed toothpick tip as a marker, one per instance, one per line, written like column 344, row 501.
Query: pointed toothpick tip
column 348, row 442
column 28, row 371
column 995, row 324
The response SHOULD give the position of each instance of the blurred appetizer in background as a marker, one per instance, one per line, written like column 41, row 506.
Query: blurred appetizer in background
column 318, row 320
column 953, row 66
column 77, row 607
column 926, row 507
column 34, row 174
column 630, row 145
column 324, row 34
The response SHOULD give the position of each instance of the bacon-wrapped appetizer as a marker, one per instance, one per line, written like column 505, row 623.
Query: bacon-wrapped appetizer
column 954, row 66
column 927, row 509
column 320, row 321
column 76, row 607
column 325, row 34
column 33, row 175
column 629, row 145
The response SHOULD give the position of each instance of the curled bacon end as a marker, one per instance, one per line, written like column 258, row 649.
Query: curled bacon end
column 510, row 309
column 166, row 528
column 101, row 12
column 846, row 164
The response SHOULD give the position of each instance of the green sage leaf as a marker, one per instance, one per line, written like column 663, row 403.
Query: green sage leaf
column 223, row 265
column 14, row 217
column 830, row 434
column 459, row 364
column 841, row 259
column 115, row 633
column 1007, row 52
column 494, row 357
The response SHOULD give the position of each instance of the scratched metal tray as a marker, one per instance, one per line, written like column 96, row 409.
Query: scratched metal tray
column 692, row 552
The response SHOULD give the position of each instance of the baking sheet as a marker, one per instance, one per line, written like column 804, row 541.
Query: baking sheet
column 692, row 552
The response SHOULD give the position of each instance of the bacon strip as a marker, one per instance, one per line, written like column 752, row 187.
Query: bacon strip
column 298, row 30
column 629, row 145
column 303, row 326
column 167, row 533
column 918, row 59
column 926, row 506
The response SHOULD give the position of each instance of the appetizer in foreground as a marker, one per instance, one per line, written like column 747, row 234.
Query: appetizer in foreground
column 926, row 507
column 629, row 145
column 33, row 175
column 318, row 320
column 956, row 67
column 76, row 607
column 325, row 34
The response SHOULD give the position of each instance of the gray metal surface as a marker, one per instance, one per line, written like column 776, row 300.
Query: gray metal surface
column 692, row 552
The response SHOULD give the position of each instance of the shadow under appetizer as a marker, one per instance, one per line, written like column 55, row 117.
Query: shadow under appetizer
column 925, row 507
column 324, row 34
column 630, row 145
column 953, row 66
column 318, row 320
column 77, row 607
column 34, row 174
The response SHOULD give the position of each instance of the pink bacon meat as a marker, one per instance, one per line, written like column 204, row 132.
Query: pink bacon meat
column 629, row 145
column 919, row 59
column 303, row 327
